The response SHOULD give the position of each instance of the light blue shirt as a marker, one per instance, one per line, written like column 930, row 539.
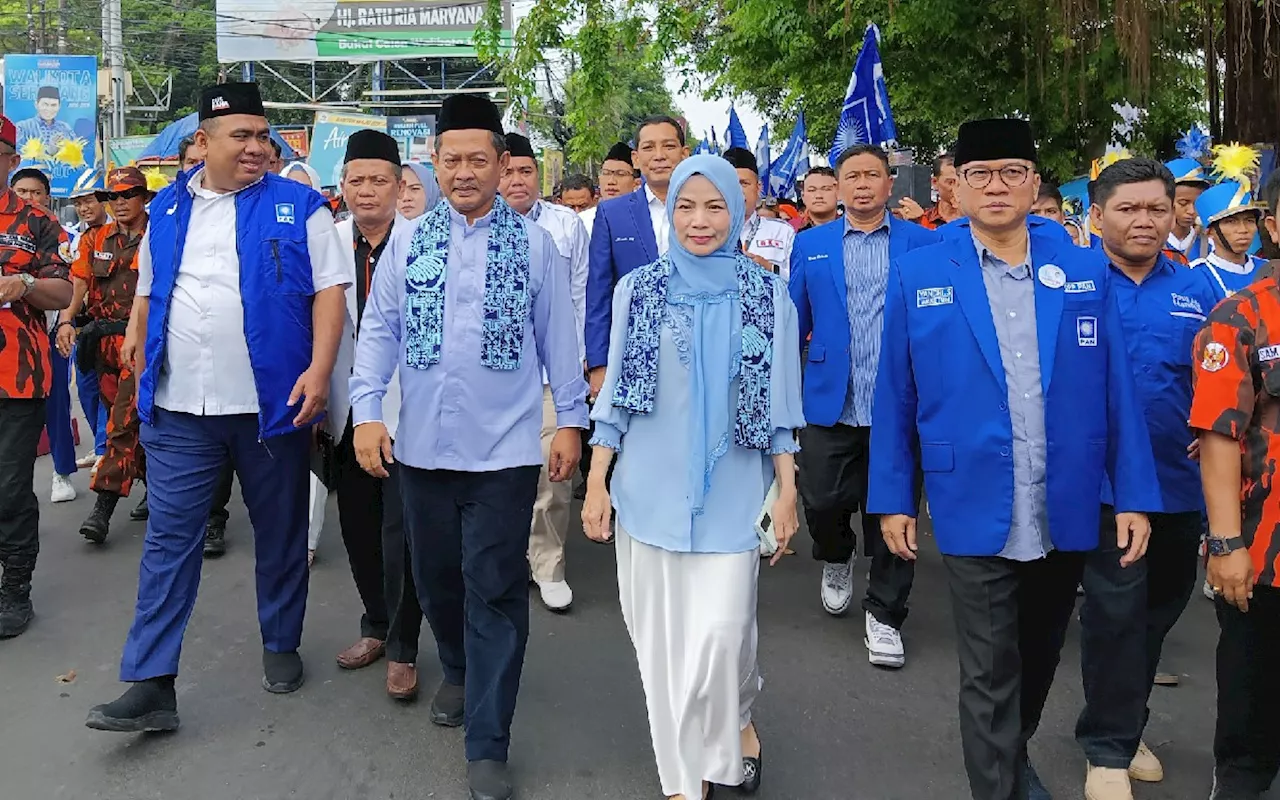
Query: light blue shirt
column 866, row 276
column 459, row 414
column 650, row 482
column 1011, row 295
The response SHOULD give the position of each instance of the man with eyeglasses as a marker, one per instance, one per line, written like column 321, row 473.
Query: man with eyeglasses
column 1004, row 376
column 33, row 280
column 620, row 238
column 838, row 277
column 617, row 178
column 104, row 277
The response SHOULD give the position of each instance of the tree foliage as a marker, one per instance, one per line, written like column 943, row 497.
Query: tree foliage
column 585, row 88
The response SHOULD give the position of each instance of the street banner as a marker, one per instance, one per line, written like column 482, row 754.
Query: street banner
column 125, row 150
column 329, row 141
column 297, row 139
column 54, row 102
column 350, row 30
column 416, row 135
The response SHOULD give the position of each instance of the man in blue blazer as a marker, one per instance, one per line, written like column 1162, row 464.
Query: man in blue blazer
column 838, row 275
column 1004, row 376
column 630, row 231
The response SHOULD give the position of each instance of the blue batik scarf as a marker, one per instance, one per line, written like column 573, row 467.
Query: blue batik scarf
column 702, row 290
column 506, row 288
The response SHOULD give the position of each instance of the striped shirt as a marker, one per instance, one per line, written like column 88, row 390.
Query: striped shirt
column 866, row 277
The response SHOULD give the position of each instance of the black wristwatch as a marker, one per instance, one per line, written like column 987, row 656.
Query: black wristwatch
column 1221, row 547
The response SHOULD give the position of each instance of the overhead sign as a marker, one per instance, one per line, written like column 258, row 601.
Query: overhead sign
column 329, row 141
column 350, row 30
column 54, row 102
column 416, row 135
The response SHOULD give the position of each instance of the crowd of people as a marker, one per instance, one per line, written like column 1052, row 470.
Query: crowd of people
column 1087, row 405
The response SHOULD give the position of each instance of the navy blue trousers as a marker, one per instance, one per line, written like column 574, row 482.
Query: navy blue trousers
column 57, row 409
column 469, row 540
column 95, row 411
column 185, row 454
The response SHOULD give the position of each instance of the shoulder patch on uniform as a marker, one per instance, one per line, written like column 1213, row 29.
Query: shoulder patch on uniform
column 1076, row 287
column 1214, row 357
column 1269, row 353
column 284, row 213
column 935, row 296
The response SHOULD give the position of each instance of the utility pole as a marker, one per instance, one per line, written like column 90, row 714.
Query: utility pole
column 113, row 50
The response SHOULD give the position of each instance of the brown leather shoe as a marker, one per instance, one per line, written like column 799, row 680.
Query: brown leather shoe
column 362, row 653
column 402, row 680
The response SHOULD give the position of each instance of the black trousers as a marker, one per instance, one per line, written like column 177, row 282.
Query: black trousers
column 1011, row 619
column 1246, row 744
column 469, row 543
column 833, row 487
column 21, row 422
column 222, row 494
column 371, row 515
column 1127, row 613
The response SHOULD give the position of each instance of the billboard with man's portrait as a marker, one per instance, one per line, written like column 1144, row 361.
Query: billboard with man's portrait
column 53, row 100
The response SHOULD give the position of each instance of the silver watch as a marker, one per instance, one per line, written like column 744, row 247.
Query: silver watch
column 28, row 283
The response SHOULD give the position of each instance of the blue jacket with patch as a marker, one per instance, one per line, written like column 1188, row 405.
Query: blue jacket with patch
column 942, row 401
column 275, row 287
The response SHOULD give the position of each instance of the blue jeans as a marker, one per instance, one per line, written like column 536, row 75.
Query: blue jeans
column 95, row 411
column 185, row 454
column 58, row 414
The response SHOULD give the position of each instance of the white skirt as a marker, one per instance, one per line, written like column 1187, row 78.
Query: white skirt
column 692, row 620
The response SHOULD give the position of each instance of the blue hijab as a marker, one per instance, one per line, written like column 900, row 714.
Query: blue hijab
column 430, row 189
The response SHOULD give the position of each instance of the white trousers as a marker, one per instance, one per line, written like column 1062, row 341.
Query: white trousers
column 551, row 515
column 692, row 620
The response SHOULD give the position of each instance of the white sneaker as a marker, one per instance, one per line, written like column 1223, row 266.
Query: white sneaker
column 1104, row 783
column 1146, row 766
column 63, row 491
column 884, row 644
column 837, row 587
column 556, row 595
column 85, row 462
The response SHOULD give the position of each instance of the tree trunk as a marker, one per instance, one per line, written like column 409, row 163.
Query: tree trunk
column 1251, row 85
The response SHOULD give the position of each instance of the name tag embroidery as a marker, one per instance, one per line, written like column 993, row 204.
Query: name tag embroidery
column 16, row 241
column 769, row 243
column 937, row 296
column 1269, row 353
column 624, row 238
column 1076, row 287
column 1188, row 303
column 98, row 254
column 284, row 213
column 1087, row 331
column 818, row 257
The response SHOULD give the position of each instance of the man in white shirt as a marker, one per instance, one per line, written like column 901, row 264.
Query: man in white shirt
column 765, row 241
column 234, row 331
column 519, row 187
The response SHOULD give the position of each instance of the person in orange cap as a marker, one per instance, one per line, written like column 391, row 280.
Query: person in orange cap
column 105, row 275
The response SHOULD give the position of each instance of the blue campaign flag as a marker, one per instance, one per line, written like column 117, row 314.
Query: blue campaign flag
column 865, row 117
column 737, row 136
column 715, row 141
column 783, row 172
column 703, row 148
column 762, row 158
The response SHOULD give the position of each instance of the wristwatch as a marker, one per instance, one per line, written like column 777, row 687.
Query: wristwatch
column 1220, row 547
column 28, row 283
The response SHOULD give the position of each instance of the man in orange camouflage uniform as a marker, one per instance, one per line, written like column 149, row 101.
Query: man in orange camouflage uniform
column 107, row 267
column 33, row 280
column 1236, row 411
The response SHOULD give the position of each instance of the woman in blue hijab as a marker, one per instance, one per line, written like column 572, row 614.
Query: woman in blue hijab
column 419, row 191
column 700, row 402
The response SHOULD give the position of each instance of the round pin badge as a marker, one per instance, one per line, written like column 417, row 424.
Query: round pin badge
column 1051, row 275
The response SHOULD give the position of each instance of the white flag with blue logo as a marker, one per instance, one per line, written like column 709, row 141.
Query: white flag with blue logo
column 865, row 117
column 782, row 173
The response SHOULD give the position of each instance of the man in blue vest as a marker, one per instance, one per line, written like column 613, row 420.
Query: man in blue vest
column 629, row 232
column 235, row 347
column 838, row 275
column 1004, row 376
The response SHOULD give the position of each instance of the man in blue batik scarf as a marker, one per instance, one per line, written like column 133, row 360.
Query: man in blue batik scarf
column 471, row 306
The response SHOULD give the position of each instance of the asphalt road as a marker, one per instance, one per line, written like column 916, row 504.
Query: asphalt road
column 833, row 726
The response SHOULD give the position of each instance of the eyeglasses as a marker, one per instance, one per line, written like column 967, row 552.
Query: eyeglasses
column 616, row 173
column 1011, row 176
column 127, row 194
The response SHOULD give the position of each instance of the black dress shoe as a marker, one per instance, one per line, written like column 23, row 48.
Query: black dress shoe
column 215, row 538
column 488, row 780
column 149, row 705
column 752, row 773
column 141, row 511
column 448, row 707
column 282, row 672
